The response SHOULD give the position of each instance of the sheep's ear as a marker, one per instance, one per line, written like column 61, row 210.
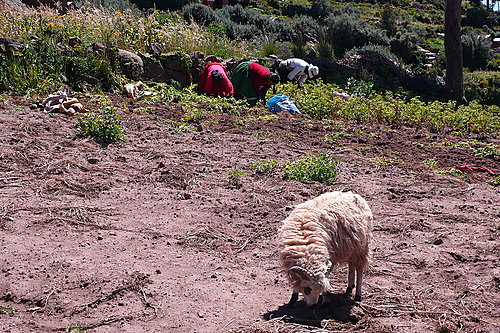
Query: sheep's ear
column 300, row 273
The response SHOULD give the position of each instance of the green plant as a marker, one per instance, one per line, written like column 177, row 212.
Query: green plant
column 495, row 181
column 489, row 151
column 235, row 178
column 266, row 167
column 359, row 87
column 321, row 168
column 103, row 126
column 431, row 162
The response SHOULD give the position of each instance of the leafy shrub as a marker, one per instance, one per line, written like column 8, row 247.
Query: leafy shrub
column 404, row 45
column 200, row 14
column 317, row 100
column 482, row 86
column 359, row 87
column 266, row 167
column 476, row 50
column 384, row 51
column 103, row 126
column 321, row 168
column 489, row 151
column 347, row 31
column 479, row 16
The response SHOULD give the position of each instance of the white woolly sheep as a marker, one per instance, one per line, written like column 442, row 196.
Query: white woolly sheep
column 331, row 229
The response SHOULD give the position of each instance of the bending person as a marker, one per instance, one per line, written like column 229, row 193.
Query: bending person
column 298, row 70
column 252, row 80
column 214, row 80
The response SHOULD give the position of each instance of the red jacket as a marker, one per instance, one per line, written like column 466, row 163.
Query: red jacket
column 208, row 86
column 260, row 78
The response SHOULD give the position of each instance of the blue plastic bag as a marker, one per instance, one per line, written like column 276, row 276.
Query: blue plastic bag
column 282, row 103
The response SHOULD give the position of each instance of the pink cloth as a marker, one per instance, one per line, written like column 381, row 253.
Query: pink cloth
column 208, row 86
column 474, row 167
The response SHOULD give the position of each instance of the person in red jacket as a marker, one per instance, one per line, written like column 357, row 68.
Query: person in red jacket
column 214, row 80
column 252, row 80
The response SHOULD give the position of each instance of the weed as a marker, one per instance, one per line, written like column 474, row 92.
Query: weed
column 489, row 151
column 266, row 167
column 495, row 181
column 431, row 162
column 321, row 168
column 235, row 178
column 144, row 109
column 180, row 129
column 335, row 136
column 418, row 144
column 76, row 329
column 103, row 126
column 261, row 134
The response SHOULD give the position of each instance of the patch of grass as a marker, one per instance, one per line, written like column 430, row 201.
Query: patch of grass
column 431, row 162
column 321, row 168
column 180, row 129
column 103, row 126
column 261, row 134
column 495, row 181
column 76, row 329
column 266, row 167
column 489, row 151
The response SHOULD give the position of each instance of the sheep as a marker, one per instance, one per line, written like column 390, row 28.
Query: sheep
column 333, row 228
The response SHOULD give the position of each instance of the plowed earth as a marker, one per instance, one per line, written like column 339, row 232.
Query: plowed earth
column 156, row 235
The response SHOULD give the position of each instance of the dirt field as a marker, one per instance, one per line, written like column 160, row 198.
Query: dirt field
column 155, row 235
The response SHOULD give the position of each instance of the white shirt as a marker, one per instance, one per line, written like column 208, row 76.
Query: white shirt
column 299, row 69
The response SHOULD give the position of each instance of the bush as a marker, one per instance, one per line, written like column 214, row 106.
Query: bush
column 482, row 86
column 103, row 126
column 480, row 16
column 476, row 50
column 321, row 168
column 200, row 14
column 346, row 31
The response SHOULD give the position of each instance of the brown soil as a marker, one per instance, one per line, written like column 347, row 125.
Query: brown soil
column 155, row 235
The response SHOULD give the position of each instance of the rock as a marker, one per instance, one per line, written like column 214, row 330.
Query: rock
column 212, row 58
column 131, row 64
column 8, row 45
column 176, row 69
column 153, row 69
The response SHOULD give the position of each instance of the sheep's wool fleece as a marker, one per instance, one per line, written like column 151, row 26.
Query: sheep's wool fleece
column 335, row 226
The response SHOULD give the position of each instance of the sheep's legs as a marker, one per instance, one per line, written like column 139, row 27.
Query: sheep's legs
column 293, row 299
column 350, row 280
column 359, row 281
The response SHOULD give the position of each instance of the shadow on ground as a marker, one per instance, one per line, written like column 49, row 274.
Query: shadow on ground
column 335, row 306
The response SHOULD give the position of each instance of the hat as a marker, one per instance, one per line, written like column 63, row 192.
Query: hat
column 312, row 71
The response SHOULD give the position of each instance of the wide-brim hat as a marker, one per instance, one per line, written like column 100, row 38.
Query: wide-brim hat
column 312, row 71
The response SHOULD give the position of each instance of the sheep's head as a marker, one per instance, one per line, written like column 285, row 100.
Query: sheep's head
column 310, row 284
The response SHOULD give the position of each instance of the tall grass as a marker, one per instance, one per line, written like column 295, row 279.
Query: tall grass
column 47, row 61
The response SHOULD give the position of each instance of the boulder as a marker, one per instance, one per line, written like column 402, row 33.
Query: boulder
column 153, row 70
column 176, row 68
column 131, row 64
column 9, row 45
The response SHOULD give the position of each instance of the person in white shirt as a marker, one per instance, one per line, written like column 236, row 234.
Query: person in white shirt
column 299, row 70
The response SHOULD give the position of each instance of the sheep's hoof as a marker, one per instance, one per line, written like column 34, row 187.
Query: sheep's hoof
column 357, row 298
column 348, row 291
